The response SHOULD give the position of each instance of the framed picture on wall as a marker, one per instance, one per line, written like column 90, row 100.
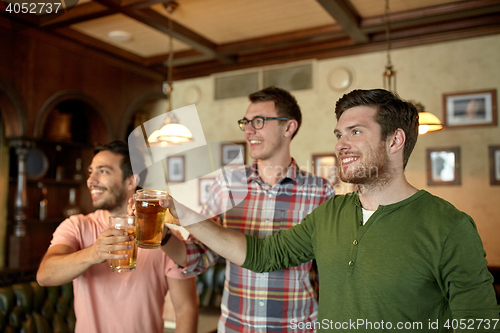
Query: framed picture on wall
column 204, row 188
column 176, row 168
column 494, row 152
column 325, row 165
column 443, row 166
column 475, row 108
column 230, row 152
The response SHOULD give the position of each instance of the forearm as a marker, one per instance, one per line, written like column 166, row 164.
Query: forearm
column 228, row 243
column 186, row 321
column 176, row 250
column 285, row 249
column 185, row 301
column 58, row 269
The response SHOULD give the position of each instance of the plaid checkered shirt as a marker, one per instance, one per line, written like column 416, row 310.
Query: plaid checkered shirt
column 263, row 302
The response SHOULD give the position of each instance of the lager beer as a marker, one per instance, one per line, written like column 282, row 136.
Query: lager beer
column 128, row 264
column 150, row 219
column 128, row 224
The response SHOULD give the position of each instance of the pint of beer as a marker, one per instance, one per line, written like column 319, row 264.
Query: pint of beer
column 128, row 264
column 150, row 217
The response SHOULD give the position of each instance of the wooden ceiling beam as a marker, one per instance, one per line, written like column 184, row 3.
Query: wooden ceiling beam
column 326, row 50
column 148, row 3
column 179, row 32
column 438, row 13
column 283, row 40
column 180, row 58
column 87, row 11
column 346, row 17
column 443, row 27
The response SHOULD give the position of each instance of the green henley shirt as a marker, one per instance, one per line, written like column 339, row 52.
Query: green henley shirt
column 416, row 266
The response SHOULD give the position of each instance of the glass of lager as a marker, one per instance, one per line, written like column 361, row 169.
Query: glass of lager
column 150, row 217
column 128, row 264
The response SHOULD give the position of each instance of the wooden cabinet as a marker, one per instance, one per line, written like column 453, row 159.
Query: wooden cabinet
column 66, row 169
column 49, row 168
column 67, row 165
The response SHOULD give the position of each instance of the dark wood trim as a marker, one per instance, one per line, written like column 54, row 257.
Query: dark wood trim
column 85, row 12
column 146, row 3
column 346, row 17
column 75, row 46
column 431, row 14
column 283, row 40
column 327, row 50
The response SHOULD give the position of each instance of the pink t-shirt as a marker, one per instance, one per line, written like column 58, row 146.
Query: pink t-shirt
column 116, row 302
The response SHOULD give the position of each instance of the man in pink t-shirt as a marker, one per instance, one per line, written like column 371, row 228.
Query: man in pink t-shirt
column 81, row 245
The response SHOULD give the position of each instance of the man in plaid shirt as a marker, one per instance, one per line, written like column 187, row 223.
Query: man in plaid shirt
column 279, row 195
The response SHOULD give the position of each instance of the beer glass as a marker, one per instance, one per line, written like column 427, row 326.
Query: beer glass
column 127, row 223
column 150, row 217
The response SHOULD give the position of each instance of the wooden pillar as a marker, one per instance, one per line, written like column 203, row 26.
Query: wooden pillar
column 19, row 238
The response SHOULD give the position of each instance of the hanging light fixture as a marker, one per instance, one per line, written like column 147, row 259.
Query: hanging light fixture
column 172, row 132
column 427, row 122
column 389, row 73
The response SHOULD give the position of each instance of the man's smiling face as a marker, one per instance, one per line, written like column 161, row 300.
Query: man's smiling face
column 105, row 182
column 361, row 153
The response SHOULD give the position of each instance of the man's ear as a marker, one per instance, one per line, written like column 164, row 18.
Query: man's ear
column 291, row 127
column 396, row 141
column 133, row 182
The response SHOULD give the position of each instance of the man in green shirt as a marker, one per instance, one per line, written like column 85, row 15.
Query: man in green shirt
column 390, row 257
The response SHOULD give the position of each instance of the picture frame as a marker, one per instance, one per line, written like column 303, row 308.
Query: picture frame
column 467, row 109
column 326, row 166
column 443, row 166
column 204, row 185
column 176, row 169
column 494, row 154
column 229, row 151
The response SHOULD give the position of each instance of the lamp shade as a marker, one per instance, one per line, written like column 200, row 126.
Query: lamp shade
column 428, row 123
column 170, row 134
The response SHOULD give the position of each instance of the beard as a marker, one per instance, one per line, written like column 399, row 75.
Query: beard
column 371, row 168
column 116, row 198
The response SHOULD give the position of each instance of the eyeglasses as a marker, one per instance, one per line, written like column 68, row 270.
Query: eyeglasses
column 257, row 122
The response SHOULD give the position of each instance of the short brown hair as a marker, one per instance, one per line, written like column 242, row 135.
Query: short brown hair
column 392, row 113
column 121, row 148
column 285, row 103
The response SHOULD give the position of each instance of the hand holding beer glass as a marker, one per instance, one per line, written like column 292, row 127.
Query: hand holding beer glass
column 150, row 217
column 126, row 223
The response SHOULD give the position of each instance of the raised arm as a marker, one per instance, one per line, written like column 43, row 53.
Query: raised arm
column 175, row 249
column 62, row 264
column 228, row 243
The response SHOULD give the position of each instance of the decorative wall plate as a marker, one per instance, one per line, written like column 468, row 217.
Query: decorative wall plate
column 340, row 78
column 192, row 94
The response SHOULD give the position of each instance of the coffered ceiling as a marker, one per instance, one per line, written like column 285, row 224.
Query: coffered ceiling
column 212, row 36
